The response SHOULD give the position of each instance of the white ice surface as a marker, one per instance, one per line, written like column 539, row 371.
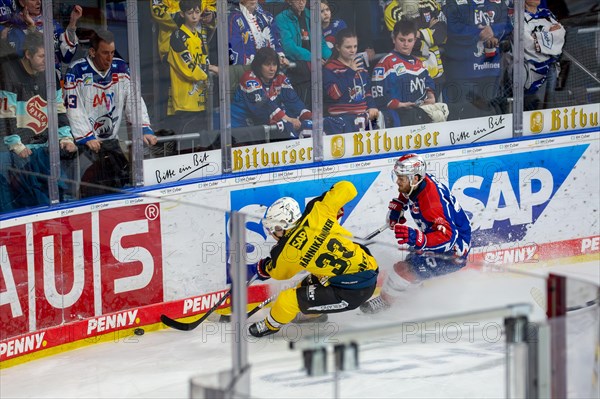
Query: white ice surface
column 465, row 359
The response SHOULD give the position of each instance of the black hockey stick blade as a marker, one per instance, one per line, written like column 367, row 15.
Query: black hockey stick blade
column 182, row 326
column 226, row 318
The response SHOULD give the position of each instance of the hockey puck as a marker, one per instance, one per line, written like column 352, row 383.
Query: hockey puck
column 139, row 331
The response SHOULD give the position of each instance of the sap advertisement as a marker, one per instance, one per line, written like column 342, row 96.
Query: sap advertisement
column 507, row 194
column 120, row 263
column 514, row 196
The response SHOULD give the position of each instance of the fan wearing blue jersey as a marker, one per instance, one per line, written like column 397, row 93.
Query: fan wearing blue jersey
column 347, row 89
column 401, row 83
column 441, row 240
column 265, row 96
column 472, row 57
column 330, row 27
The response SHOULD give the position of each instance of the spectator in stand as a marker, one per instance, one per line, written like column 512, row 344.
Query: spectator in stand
column 31, row 19
column 347, row 88
column 7, row 9
column 24, row 127
column 331, row 28
column 97, row 92
column 432, row 30
column 472, row 56
column 402, row 86
column 543, row 42
column 188, row 59
column 251, row 28
column 166, row 14
column 266, row 97
column 167, row 17
column 294, row 26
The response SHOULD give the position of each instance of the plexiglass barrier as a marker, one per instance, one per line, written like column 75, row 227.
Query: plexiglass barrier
column 207, row 101
column 470, row 333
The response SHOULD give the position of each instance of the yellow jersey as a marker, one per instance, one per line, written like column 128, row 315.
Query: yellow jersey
column 321, row 246
column 188, row 61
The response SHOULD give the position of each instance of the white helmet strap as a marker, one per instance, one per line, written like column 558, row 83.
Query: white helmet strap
column 413, row 186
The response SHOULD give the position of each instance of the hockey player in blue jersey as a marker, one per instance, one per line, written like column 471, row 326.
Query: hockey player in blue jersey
column 441, row 240
column 265, row 96
column 400, row 81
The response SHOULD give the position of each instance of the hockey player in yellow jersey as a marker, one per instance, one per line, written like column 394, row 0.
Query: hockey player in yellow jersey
column 343, row 274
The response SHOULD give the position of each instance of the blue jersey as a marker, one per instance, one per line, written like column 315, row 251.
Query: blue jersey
column 400, row 78
column 438, row 215
column 7, row 9
column 65, row 43
column 332, row 30
column 345, row 90
column 465, row 56
column 259, row 103
column 246, row 36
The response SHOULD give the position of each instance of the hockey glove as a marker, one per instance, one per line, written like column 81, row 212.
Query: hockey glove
column 260, row 269
column 412, row 237
column 396, row 212
column 340, row 213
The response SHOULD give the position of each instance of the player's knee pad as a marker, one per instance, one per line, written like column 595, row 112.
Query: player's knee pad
column 394, row 285
column 404, row 270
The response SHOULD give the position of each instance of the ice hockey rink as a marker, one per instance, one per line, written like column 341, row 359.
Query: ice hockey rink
column 465, row 358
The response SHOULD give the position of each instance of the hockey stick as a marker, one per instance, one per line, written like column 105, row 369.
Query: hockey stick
column 226, row 318
column 374, row 233
column 179, row 325
column 182, row 326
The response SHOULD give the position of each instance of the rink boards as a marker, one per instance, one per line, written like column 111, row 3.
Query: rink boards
column 86, row 274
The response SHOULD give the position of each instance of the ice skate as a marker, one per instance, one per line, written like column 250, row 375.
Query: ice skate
column 374, row 305
column 261, row 328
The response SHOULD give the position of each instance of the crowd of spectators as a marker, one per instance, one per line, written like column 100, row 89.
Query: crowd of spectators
column 449, row 60
column 412, row 62
column 93, row 97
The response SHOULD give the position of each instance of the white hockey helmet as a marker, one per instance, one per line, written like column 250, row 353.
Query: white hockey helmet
column 282, row 215
column 411, row 165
